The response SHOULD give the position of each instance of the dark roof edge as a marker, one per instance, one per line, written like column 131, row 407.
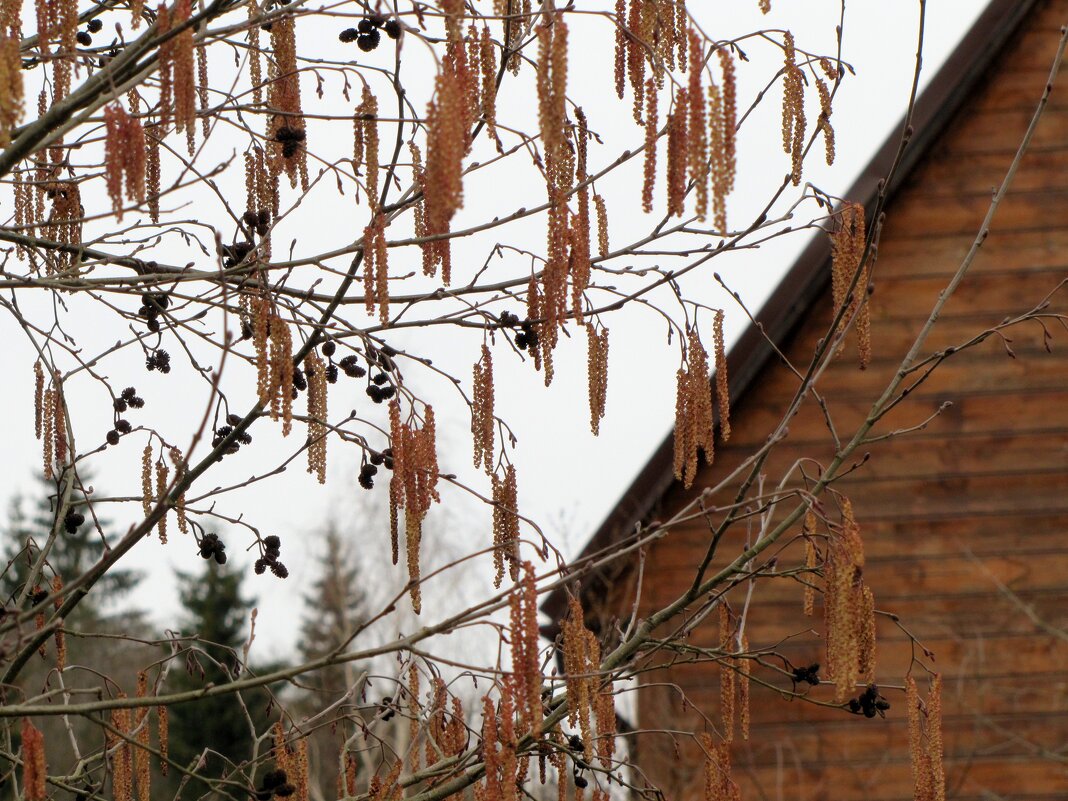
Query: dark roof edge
column 806, row 280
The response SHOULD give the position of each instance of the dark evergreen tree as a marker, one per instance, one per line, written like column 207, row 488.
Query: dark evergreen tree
column 217, row 615
column 76, row 549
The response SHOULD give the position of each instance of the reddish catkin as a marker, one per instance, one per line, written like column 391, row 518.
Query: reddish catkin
column 184, row 75
column 142, row 767
column 483, row 423
column 597, row 374
column 34, row 766
column 636, row 56
column 505, row 525
column 152, row 170
column 121, row 758
column 61, row 636
column 651, row 135
column 490, row 752
column 723, row 398
column 745, row 667
column 414, row 717
column 677, row 154
column 793, row 108
column 727, row 679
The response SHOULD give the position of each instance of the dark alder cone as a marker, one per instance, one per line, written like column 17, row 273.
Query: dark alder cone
column 331, row 373
column 95, row 26
column 119, row 405
column 282, row 572
column 377, row 20
column 380, row 378
column 153, row 325
column 368, row 41
column 365, row 26
column 329, row 348
column 348, row 35
column 113, row 437
column 377, row 458
column 233, row 419
column 393, row 29
column 84, row 38
column 581, row 782
column 123, row 426
column 129, row 393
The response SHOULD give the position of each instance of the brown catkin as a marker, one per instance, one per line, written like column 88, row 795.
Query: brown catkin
column 315, row 369
column 717, row 774
column 161, row 720
column 179, row 474
column 299, row 776
column 651, row 135
column 825, row 120
column 483, row 423
column 505, row 525
column 34, row 766
column 723, row 398
column 59, row 422
column 490, row 750
column 48, row 426
column 526, row 665
column 602, row 225
column 621, row 48
column 793, row 108
column 184, row 72
column 745, row 667
column 11, row 90
column 636, row 56
column 848, row 238
column 677, row 154
column 727, row 679
column 152, row 170
column 162, row 479
column 488, row 61
column 808, row 604
column 697, row 134
column 693, row 411
column 61, row 636
column 146, row 480
column 38, row 399
column 366, row 145
column 597, row 373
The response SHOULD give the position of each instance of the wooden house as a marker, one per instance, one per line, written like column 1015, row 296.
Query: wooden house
column 965, row 522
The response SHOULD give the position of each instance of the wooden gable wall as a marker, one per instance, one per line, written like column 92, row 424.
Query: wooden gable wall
column 965, row 523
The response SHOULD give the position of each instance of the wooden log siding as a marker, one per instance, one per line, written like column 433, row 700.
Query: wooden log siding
column 965, row 523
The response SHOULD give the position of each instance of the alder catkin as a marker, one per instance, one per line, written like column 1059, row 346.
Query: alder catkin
column 505, row 525
column 722, row 391
column 146, row 480
column 651, row 126
column 162, row 478
column 727, row 680
column 483, row 423
column 34, row 765
column 597, row 373
column 677, row 154
column 315, row 369
column 602, row 225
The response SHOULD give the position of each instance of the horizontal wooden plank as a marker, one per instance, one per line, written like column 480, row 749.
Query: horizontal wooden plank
column 978, row 415
column 1034, row 247
column 924, row 215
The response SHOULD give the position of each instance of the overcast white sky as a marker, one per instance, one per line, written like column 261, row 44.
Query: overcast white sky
column 568, row 479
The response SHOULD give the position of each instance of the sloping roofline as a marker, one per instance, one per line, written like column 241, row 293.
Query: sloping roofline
column 806, row 281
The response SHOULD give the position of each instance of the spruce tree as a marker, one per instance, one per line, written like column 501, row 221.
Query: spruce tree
column 76, row 548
